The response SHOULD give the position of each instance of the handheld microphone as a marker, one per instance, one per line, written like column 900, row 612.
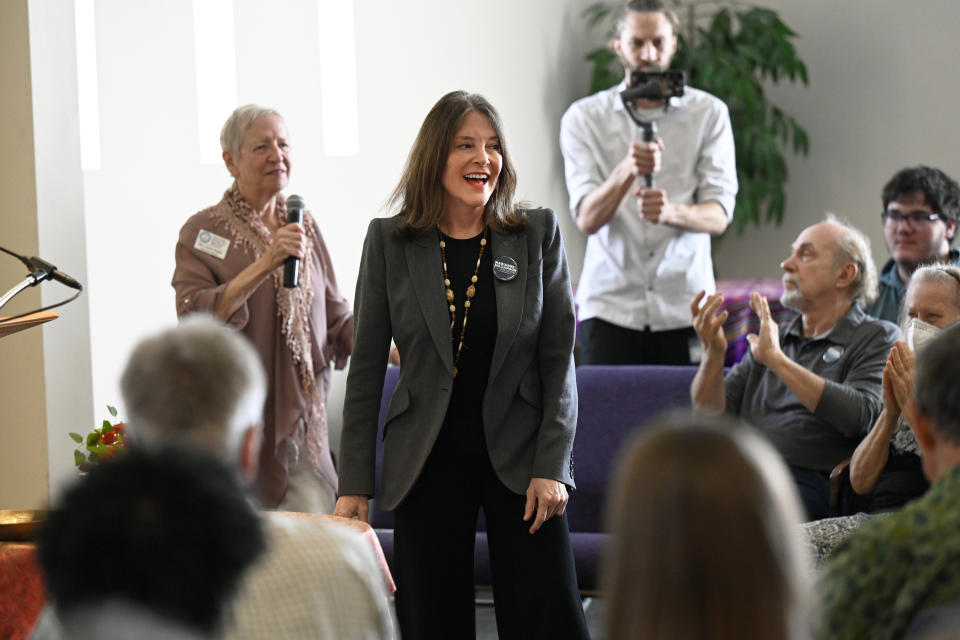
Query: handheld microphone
column 43, row 270
column 291, row 266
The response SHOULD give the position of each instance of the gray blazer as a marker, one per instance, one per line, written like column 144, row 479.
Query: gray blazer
column 530, row 405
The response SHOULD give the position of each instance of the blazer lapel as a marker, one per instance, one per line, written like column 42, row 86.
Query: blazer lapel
column 423, row 260
column 510, row 294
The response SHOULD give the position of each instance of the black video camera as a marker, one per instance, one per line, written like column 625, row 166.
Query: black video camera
column 655, row 86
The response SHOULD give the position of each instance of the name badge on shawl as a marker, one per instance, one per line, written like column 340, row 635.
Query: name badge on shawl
column 212, row 244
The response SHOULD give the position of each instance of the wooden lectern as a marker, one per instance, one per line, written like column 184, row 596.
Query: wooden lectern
column 19, row 324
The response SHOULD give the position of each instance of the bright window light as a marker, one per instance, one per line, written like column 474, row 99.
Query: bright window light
column 87, row 88
column 338, row 78
column 213, row 40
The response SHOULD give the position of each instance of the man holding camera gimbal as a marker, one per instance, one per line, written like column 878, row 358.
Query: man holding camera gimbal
column 648, row 250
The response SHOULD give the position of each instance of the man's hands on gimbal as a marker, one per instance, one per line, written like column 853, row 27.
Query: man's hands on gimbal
column 645, row 158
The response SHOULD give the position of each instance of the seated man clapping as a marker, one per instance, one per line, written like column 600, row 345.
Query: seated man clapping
column 813, row 388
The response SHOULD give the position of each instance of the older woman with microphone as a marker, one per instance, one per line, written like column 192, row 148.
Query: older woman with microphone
column 228, row 262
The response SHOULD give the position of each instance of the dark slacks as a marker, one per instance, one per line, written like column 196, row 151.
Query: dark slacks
column 604, row 343
column 534, row 580
column 814, row 489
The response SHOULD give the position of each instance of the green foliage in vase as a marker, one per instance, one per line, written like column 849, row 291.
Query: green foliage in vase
column 101, row 443
column 733, row 52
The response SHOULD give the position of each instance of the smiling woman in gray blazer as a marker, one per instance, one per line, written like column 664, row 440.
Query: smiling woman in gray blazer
column 476, row 294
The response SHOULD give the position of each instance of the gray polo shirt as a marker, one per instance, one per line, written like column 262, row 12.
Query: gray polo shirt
column 850, row 357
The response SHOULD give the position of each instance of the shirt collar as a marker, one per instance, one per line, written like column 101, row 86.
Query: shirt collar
column 840, row 333
column 889, row 275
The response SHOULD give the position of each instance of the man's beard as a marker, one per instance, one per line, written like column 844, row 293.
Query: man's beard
column 793, row 298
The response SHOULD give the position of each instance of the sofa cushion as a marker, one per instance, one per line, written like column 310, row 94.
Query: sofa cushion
column 614, row 402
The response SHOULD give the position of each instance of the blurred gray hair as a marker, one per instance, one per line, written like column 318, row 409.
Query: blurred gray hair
column 853, row 246
column 199, row 384
column 235, row 128
column 940, row 273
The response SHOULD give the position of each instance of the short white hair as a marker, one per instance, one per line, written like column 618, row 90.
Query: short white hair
column 939, row 272
column 235, row 128
column 199, row 384
column 854, row 246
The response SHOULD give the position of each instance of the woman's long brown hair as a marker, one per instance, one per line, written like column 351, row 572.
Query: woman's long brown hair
column 419, row 196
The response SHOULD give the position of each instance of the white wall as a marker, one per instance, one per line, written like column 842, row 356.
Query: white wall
column 407, row 55
column 62, row 231
column 882, row 96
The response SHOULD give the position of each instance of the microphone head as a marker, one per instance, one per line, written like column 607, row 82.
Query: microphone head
column 295, row 202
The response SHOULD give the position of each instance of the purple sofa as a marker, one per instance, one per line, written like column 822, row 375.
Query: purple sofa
column 614, row 402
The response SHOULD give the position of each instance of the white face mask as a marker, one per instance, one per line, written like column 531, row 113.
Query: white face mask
column 920, row 333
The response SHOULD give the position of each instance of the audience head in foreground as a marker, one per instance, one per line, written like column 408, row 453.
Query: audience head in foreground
column 151, row 545
column 198, row 385
column 703, row 515
column 893, row 568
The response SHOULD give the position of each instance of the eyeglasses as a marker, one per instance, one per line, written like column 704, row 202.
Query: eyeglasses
column 915, row 220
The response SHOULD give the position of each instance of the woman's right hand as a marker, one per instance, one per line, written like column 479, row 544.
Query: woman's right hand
column 288, row 240
column 350, row 506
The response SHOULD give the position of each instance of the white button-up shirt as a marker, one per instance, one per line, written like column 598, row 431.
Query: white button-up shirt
column 639, row 274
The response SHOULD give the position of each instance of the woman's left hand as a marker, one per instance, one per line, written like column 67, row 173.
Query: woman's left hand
column 547, row 498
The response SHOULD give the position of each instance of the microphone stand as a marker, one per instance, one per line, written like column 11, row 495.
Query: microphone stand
column 39, row 271
column 29, row 281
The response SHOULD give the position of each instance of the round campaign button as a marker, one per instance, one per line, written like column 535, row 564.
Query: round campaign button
column 505, row 268
column 833, row 353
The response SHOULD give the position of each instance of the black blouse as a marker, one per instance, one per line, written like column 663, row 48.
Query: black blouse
column 464, row 412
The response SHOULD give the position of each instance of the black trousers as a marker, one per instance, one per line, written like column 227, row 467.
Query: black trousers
column 814, row 489
column 534, row 579
column 604, row 343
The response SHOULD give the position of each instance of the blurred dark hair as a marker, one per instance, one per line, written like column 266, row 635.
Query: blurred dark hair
column 170, row 531
column 940, row 190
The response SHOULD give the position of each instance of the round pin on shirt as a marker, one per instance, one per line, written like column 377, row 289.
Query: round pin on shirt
column 833, row 353
column 505, row 268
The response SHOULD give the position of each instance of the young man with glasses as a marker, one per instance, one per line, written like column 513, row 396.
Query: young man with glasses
column 921, row 206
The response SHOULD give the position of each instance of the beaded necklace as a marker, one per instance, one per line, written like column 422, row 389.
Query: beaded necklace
column 471, row 291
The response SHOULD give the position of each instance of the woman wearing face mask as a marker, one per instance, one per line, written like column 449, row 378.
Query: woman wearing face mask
column 887, row 460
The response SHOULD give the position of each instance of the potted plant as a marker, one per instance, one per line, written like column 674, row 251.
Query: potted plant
column 733, row 51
